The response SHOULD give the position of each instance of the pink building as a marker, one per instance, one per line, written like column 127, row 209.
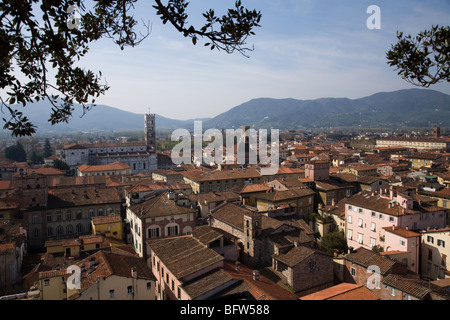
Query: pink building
column 317, row 170
column 177, row 262
column 369, row 215
column 403, row 245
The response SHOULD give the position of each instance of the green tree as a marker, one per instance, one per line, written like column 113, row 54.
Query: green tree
column 16, row 153
column 334, row 241
column 47, row 149
column 61, row 165
column 35, row 158
column 30, row 47
column 422, row 60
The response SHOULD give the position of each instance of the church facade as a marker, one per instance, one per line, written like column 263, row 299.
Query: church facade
column 140, row 156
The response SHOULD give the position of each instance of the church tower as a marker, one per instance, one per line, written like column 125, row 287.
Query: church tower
column 252, row 241
column 150, row 132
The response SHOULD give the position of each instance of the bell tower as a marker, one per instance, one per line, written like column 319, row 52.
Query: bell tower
column 150, row 135
column 252, row 241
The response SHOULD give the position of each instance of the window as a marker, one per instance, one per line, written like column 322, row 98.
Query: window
column 46, row 282
column 391, row 219
column 153, row 232
column 360, row 238
column 111, row 294
column 49, row 218
column 402, row 243
column 360, row 222
column 172, row 230
column 59, row 230
column 350, row 234
column 179, row 293
column 373, row 214
column 373, row 227
column 49, row 231
column 441, row 243
column 35, row 219
column 392, row 292
column 149, row 285
column 130, row 289
column 353, row 271
column 91, row 213
column 430, row 239
column 373, row 242
column 349, row 219
column 380, row 216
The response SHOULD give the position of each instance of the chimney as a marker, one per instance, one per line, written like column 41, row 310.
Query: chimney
column 256, row 275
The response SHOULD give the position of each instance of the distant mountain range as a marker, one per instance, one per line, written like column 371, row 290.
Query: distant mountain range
column 410, row 107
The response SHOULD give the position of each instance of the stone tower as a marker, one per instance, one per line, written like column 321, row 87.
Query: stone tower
column 252, row 241
column 150, row 132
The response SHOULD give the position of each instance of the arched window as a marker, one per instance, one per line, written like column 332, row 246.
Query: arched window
column 153, row 232
column 49, row 232
column 187, row 230
column 59, row 230
column 36, row 233
column 69, row 229
column 172, row 229
column 100, row 212
column 79, row 228
column 91, row 213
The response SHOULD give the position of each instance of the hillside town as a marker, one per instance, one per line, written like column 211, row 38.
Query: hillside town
column 334, row 223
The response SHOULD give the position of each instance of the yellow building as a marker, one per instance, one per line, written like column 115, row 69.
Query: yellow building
column 73, row 247
column 52, row 284
column 421, row 143
column 420, row 160
column 108, row 226
column 299, row 201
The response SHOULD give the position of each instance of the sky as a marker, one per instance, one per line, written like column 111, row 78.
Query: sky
column 304, row 49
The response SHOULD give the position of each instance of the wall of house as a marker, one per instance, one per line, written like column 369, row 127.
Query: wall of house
column 435, row 253
column 395, row 242
column 101, row 289
column 304, row 280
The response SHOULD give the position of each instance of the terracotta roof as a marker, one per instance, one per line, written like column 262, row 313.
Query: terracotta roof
column 293, row 193
column 7, row 248
column 367, row 258
column 183, row 256
column 104, row 264
column 70, row 197
column 262, row 289
column 206, row 283
column 406, row 285
column 201, row 175
column 256, row 187
column 343, row 291
column 159, row 206
column 48, row 171
column 209, row 197
column 206, row 234
column 106, row 219
column 105, row 167
column 402, row 232
column 296, row 255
